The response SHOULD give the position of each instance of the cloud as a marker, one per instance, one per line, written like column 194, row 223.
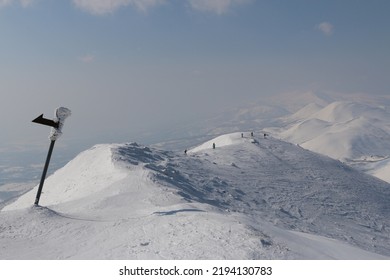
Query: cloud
column 101, row 7
column 143, row 5
column 23, row 3
column 326, row 28
column 4, row 3
column 215, row 6
column 88, row 58
column 26, row 3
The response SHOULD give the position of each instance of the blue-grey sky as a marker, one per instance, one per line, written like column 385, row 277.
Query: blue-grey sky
column 129, row 66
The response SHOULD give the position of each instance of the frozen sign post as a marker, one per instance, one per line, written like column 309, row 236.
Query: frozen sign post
column 60, row 115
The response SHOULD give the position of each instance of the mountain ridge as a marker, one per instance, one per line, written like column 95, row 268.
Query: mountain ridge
column 252, row 198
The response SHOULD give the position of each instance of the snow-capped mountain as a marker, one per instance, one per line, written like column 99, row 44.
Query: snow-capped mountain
column 353, row 128
column 249, row 198
column 355, row 133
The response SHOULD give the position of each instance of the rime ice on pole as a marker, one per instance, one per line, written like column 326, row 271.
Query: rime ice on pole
column 61, row 114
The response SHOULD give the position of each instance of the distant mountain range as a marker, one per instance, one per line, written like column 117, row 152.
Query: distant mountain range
column 353, row 128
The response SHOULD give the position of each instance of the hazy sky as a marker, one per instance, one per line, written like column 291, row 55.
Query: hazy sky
column 130, row 65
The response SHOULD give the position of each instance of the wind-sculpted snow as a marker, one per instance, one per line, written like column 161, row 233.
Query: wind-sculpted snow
column 275, row 181
column 133, row 153
column 249, row 198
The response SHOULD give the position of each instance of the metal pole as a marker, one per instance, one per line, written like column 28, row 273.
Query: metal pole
column 44, row 172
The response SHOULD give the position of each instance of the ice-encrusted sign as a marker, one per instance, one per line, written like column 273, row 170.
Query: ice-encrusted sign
column 61, row 114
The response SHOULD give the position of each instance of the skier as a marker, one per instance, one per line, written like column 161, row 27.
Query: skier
column 213, row 145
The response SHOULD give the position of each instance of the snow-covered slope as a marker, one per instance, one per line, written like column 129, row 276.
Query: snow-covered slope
column 356, row 133
column 248, row 198
column 343, row 111
column 304, row 113
column 353, row 128
column 381, row 169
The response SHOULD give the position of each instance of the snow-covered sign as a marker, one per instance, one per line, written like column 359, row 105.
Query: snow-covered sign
column 61, row 114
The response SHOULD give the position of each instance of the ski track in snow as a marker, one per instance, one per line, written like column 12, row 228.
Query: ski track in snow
column 250, row 198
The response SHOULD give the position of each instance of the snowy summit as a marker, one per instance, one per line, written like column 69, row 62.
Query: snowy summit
column 250, row 197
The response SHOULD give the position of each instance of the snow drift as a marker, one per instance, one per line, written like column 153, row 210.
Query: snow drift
column 250, row 198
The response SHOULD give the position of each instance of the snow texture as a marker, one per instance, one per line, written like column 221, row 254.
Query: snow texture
column 249, row 198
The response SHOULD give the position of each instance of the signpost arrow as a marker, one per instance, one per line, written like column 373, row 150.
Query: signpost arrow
column 57, row 124
column 42, row 120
